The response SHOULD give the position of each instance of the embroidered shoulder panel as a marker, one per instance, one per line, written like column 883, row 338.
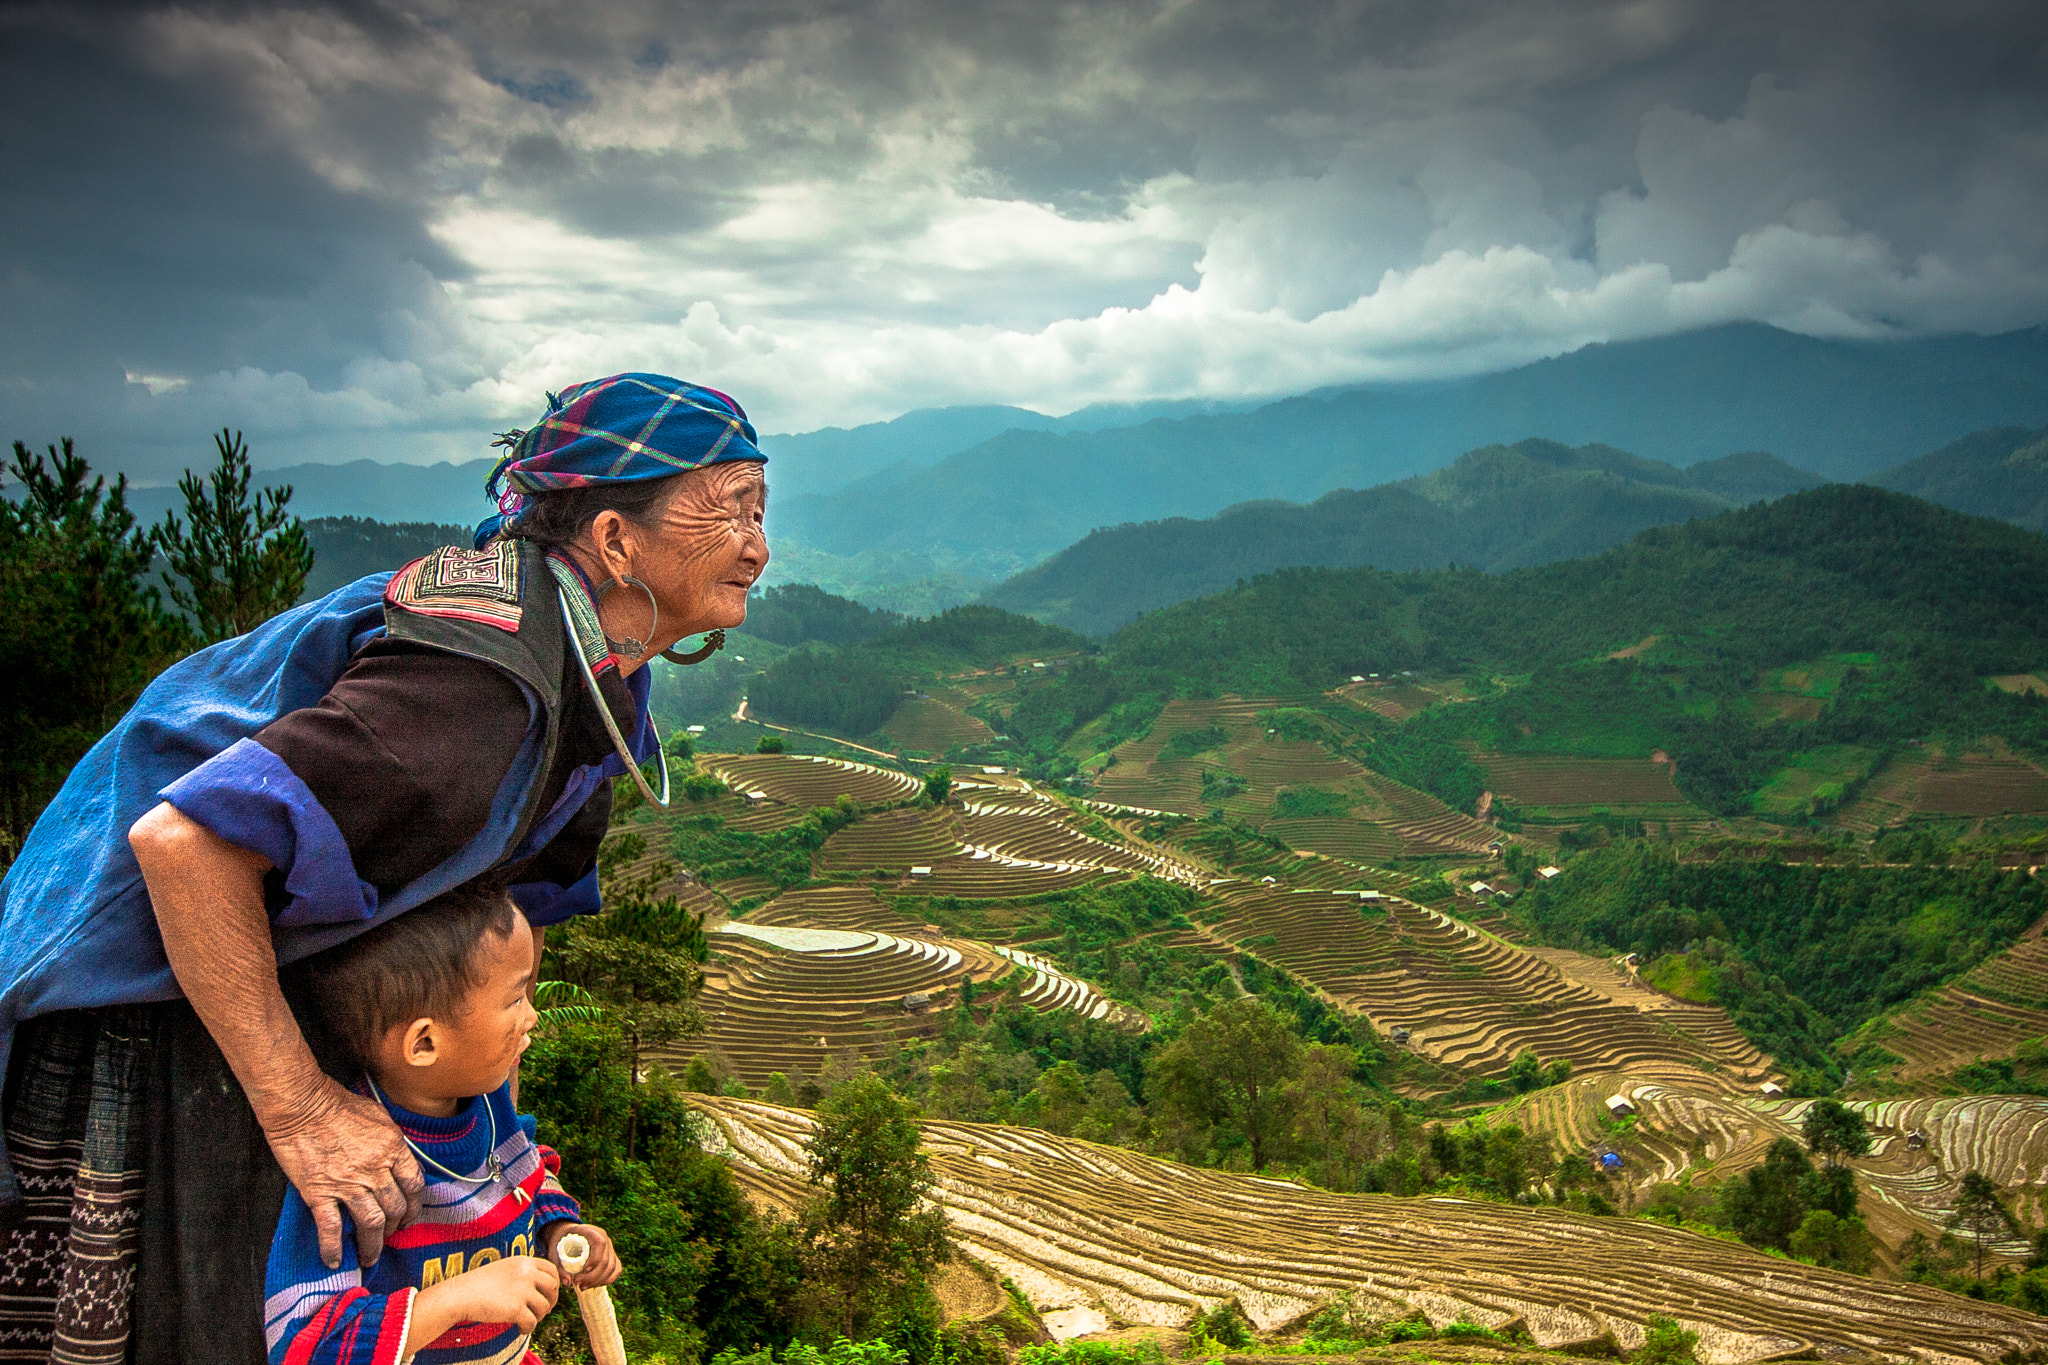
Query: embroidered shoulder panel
column 467, row 585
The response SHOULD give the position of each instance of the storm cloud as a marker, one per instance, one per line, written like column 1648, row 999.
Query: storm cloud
column 383, row 229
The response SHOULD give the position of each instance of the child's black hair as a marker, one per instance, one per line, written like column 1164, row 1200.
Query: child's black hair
column 417, row 966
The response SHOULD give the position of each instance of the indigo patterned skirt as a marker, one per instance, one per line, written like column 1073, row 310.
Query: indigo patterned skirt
column 149, row 1196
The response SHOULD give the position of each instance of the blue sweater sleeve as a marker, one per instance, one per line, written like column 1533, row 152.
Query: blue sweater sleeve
column 316, row 1316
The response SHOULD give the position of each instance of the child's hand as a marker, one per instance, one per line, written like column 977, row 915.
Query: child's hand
column 520, row 1290
column 602, row 1267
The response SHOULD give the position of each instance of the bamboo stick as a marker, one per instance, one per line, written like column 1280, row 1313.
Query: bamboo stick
column 572, row 1251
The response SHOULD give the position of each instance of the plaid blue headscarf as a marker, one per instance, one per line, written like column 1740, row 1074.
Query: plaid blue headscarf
column 616, row 430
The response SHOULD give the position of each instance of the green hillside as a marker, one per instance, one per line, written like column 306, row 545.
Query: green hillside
column 2000, row 473
column 852, row 691
column 1896, row 610
column 347, row 548
column 1498, row 507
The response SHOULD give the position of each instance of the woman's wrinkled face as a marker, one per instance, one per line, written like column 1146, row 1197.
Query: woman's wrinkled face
column 700, row 551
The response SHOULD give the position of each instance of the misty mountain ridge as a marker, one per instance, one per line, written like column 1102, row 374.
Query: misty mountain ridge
column 1499, row 507
column 826, row 460
column 1844, row 409
column 973, row 495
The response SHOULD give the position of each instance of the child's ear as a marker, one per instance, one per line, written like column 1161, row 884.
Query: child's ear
column 419, row 1045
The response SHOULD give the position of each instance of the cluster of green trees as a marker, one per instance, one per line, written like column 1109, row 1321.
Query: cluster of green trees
column 1787, row 1204
column 708, row 1274
column 853, row 690
column 348, row 548
column 82, row 627
column 803, row 613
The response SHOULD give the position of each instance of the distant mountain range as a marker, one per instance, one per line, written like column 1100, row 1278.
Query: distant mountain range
column 1998, row 473
column 1845, row 409
column 391, row 493
column 818, row 462
column 1500, row 507
column 939, row 503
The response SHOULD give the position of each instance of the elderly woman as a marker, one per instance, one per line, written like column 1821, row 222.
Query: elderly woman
column 285, row 791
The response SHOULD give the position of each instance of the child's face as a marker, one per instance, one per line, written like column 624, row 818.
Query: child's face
column 474, row 1052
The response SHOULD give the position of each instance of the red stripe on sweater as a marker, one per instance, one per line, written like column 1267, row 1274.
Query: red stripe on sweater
column 495, row 1219
column 307, row 1339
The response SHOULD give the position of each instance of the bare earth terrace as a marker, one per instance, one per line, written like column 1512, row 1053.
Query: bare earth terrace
column 1075, row 1225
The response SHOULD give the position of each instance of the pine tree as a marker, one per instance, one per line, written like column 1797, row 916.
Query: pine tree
column 638, row 961
column 80, row 633
column 243, row 561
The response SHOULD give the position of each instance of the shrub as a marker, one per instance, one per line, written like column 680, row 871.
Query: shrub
column 1224, row 1324
column 702, row 787
column 1412, row 1328
column 1145, row 1352
column 1666, row 1343
column 770, row 744
column 840, row 1352
column 973, row 1344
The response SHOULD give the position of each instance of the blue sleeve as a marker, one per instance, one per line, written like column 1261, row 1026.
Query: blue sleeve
column 316, row 1316
column 247, row 796
column 544, row 903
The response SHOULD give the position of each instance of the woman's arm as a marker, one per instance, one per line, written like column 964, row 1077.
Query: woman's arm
column 338, row 1149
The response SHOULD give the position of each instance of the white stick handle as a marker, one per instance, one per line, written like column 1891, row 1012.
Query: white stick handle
column 573, row 1251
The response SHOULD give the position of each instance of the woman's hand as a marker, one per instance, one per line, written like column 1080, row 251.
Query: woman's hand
column 518, row 1291
column 603, row 1266
column 339, row 1150
column 344, row 1152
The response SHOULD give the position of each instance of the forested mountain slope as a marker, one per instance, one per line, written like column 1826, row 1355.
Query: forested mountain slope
column 1683, row 641
column 1498, row 507
column 347, row 548
column 2000, row 473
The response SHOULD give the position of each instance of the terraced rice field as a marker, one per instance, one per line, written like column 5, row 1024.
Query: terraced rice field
column 932, row 725
column 1679, row 1125
column 1387, row 820
column 2004, row 1136
column 1031, row 828
column 895, row 840
column 1075, row 1225
column 841, row 906
column 786, row 995
column 1337, row 836
column 1987, row 1012
column 1145, row 776
column 1400, row 701
column 801, row 781
column 1473, row 1001
column 1904, row 1190
column 1981, row 784
column 1544, row 780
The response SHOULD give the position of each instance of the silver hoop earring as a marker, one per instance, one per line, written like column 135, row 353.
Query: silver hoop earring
column 626, row 644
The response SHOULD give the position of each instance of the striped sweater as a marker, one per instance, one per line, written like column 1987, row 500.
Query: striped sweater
column 352, row 1316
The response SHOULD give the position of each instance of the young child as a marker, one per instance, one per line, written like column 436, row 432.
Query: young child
column 433, row 1006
